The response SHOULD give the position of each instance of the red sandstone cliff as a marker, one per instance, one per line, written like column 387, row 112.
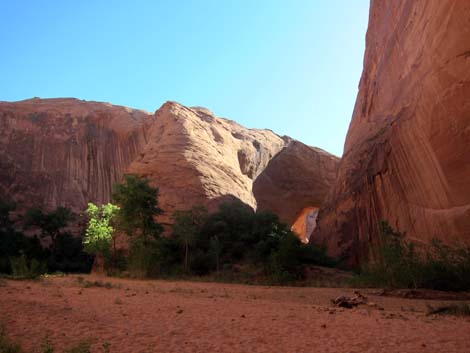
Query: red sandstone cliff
column 197, row 158
column 296, row 180
column 68, row 152
column 407, row 153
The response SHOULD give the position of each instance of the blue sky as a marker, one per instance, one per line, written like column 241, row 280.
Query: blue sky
column 292, row 66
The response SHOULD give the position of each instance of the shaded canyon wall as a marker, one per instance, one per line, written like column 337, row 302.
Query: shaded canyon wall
column 407, row 152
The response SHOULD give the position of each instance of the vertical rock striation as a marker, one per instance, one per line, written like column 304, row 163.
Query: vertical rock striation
column 407, row 152
column 66, row 151
column 69, row 152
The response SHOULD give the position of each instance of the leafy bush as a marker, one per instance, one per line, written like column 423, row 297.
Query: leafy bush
column 68, row 255
column 236, row 237
column 24, row 269
column 399, row 264
column 64, row 252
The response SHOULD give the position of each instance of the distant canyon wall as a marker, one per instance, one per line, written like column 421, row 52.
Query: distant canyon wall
column 69, row 152
column 65, row 151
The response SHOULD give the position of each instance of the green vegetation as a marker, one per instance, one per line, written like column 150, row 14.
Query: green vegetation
column 99, row 237
column 139, row 206
column 21, row 268
column 400, row 264
column 138, row 203
column 236, row 243
column 81, row 347
column 233, row 243
column 50, row 223
column 49, row 248
column 186, row 229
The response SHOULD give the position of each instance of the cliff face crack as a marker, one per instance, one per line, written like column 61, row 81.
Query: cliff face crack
column 465, row 54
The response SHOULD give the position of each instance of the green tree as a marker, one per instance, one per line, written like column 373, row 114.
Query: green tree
column 138, row 203
column 99, row 234
column 216, row 249
column 186, row 227
column 14, row 244
column 50, row 223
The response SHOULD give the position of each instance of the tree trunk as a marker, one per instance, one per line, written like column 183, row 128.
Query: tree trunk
column 186, row 255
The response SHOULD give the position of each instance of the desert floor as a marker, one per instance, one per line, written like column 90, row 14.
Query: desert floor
column 162, row 316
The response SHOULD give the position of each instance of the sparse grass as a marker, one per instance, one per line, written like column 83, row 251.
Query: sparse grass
column 100, row 284
column 456, row 309
column 106, row 347
column 24, row 269
column 399, row 264
column 6, row 345
column 82, row 347
column 46, row 345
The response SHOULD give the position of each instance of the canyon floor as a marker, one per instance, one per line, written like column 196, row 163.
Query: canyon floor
column 164, row 316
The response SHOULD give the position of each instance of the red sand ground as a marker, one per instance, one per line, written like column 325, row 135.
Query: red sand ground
column 161, row 316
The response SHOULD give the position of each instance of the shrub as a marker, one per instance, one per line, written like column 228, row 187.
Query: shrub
column 236, row 237
column 68, row 255
column 399, row 264
column 24, row 269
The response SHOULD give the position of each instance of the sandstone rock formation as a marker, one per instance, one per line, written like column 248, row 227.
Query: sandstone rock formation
column 305, row 223
column 196, row 158
column 406, row 156
column 68, row 152
column 296, row 180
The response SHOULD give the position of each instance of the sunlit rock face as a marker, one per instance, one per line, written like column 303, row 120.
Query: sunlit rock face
column 406, row 156
column 297, row 178
column 306, row 223
column 197, row 158
column 66, row 151
column 69, row 152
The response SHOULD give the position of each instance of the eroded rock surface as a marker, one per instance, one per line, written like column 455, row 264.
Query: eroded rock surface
column 66, row 151
column 69, row 152
column 198, row 158
column 407, row 153
column 299, row 176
